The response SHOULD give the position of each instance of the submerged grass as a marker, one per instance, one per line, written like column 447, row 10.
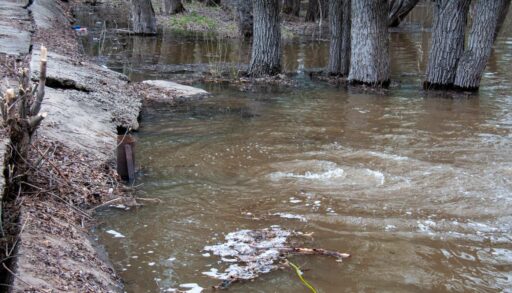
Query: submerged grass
column 200, row 18
column 192, row 22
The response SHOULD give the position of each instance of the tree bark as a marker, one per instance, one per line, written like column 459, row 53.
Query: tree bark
column 143, row 17
column 317, row 9
column 173, row 6
column 481, row 38
column 244, row 18
column 291, row 7
column 450, row 17
column 369, row 59
column 339, row 49
column 398, row 10
column 266, row 46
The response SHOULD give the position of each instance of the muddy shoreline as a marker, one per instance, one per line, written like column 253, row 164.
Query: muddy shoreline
column 48, row 240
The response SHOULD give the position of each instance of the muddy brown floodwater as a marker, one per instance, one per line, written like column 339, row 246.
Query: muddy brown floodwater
column 418, row 188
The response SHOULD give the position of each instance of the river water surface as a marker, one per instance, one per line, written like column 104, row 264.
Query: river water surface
column 417, row 188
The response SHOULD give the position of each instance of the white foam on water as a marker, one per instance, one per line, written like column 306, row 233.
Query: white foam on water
column 329, row 174
column 377, row 175
column 115, row 234
column 426, row 226
column 192, row 288
column 387, row 156
column 291, row 216
column 256, row 252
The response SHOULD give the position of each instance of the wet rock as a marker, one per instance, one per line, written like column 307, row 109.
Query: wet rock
column 86, row 104
column 76, row 123
column 46, row 13
column 163, row 90
column 13, row 39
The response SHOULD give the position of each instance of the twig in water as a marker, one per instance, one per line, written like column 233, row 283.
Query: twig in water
column 17, row 277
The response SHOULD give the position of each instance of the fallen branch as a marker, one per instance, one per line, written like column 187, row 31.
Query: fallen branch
column 314, row 251
column 16, row 276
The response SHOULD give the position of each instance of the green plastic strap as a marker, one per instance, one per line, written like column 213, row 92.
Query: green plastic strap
column 299, row 273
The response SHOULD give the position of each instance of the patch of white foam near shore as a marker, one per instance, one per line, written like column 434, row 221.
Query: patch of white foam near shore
column 250, row 252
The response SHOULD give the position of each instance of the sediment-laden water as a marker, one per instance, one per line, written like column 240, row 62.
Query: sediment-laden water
column 417, row 188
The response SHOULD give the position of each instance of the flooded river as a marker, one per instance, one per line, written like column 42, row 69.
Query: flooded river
column 417, row 188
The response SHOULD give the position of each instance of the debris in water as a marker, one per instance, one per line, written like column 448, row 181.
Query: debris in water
column 294, row 200
column 251, row 253
column 115, row 234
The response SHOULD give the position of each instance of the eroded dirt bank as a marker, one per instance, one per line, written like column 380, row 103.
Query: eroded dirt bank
column 71, row 166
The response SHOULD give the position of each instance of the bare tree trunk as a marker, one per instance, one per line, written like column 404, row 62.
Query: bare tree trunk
column 266, row 46
column 244, row 18
column 450, row 17
column 173, row 6
column 481, row 38
column 339, row 49
column 143, row 17
column 398, row 10
column 369, row 61
column 317, row 9
column 291, row 7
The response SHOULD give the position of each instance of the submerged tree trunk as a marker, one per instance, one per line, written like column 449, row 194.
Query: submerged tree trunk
column 291, row 7
column 481, row 38
column 450, row 17
column 317, row 9
column 244, row 18
column 266, row 46
column 398, row 10
column 369, row 61
column 173, row 6
column 339, row 48
column 143, row 17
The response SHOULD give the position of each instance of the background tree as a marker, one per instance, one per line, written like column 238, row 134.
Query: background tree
column 143, row 17
column 244, row 17
column 471, row 66
column 173, row 6
column 266, row 45
column 317, row 9
column 398, row 10
column 501, row 19
column 369, row 59
column 448, row 31
column 291, row 7
column 211, row 2
column 339, row 47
